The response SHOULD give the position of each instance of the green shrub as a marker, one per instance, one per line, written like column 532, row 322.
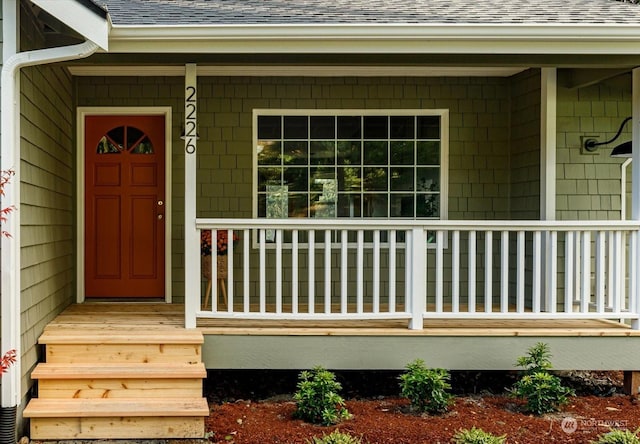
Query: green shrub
column 543, row 391
column 538, row 359
column 426, row 387
column 476, row 436
column 335, row 437
column 618, row 437
column 317, row 398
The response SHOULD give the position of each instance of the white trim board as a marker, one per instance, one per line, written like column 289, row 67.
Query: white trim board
column 306, row 71
column 81, row 113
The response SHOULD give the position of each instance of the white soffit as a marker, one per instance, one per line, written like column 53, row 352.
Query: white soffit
column 80, row 19
column 294, row 71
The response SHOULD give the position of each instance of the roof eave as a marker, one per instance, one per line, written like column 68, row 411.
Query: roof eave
column 380, row 38
column 86, row 18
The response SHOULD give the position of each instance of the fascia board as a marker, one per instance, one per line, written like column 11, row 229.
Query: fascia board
column 381, row 38
column 293, row 70
column 81, row 19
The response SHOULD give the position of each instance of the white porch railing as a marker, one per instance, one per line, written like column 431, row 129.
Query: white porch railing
column 320, row 269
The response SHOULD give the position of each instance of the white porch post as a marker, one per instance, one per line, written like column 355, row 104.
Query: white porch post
column 635, row 179
column 548, row 93
column 191, row 242
column 418, row 280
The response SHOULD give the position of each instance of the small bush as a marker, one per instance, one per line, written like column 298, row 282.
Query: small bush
column 317, row 398
column 538, row 359
column 476, row 436
column 618, row 437
column 426, row 387
column 335, row 437
column 543, row 391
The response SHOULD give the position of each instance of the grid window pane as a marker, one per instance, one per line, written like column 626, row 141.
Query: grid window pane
column 367, row 165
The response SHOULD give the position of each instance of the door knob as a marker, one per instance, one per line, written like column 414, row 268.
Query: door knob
column 160, row 203
column 160, row 216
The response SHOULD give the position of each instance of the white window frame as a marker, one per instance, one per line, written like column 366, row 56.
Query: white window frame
column 444, row 144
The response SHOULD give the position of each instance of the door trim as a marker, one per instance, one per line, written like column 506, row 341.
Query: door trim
column 83, row 112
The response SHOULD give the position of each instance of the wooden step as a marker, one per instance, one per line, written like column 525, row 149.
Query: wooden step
column 129, row 345
column 110, row 408
column 119, row 353
column 67, row 381
column 120, row 335
column 116, row 419
column 125, row 371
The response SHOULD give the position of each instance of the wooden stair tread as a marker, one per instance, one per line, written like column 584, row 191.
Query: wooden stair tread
column 119, row 370
column 109, row 407
column 121, row 336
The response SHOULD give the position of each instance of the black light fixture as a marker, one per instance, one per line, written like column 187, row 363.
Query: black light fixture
column 622, row 150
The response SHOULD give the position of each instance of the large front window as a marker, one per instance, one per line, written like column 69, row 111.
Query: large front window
column 350, row 163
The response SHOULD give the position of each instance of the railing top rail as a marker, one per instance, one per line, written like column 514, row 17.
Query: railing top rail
column 405, row 224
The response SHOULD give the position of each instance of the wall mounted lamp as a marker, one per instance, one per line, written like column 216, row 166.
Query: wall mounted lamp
column 622, row 150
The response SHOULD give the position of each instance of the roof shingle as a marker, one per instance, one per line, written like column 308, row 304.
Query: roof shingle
column 245, row 12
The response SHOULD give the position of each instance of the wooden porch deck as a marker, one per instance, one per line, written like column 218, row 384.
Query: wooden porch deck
column 114, row 316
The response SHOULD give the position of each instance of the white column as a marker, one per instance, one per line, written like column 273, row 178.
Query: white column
column 418, row 280
column 635, row 175
column 192, row 274
column 548, row 98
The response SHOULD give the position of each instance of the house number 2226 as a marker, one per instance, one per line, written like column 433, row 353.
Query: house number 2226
column 190, row 132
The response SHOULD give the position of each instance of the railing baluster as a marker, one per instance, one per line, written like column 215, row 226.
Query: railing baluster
column 392, row 271
column 504, row 272
column 569, row 263
column 376, row 271
column 439, row 271
column 214, row 270
column 611, row 271
column 294, row 271
column 520, row 273
column 246, row 296
column 617, row 286
column 585, row 294
column 471, row 277
column 455, row 272
column 488, row 271
column 327, row 271
column 230, row 261
column 360, row 273
column 263, row 271
column 623, row 270
column 279, row 234
column 344, row 273
column 633, row 279
column 537, row 273
column 577, row 268
column 552, row 279
column 600, row 270
column 312, row 272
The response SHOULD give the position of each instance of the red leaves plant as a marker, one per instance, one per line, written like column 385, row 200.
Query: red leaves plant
column 5, row 178
column 7, row 360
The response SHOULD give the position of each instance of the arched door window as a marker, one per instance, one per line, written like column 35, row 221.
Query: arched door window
column 125, row 138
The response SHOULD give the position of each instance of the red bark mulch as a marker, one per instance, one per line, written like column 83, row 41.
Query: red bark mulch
column 388, row 420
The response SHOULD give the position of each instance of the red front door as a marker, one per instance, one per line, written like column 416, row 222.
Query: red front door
column 124, row 206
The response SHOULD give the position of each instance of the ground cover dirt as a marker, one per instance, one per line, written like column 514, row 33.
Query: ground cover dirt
column 257, row 408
